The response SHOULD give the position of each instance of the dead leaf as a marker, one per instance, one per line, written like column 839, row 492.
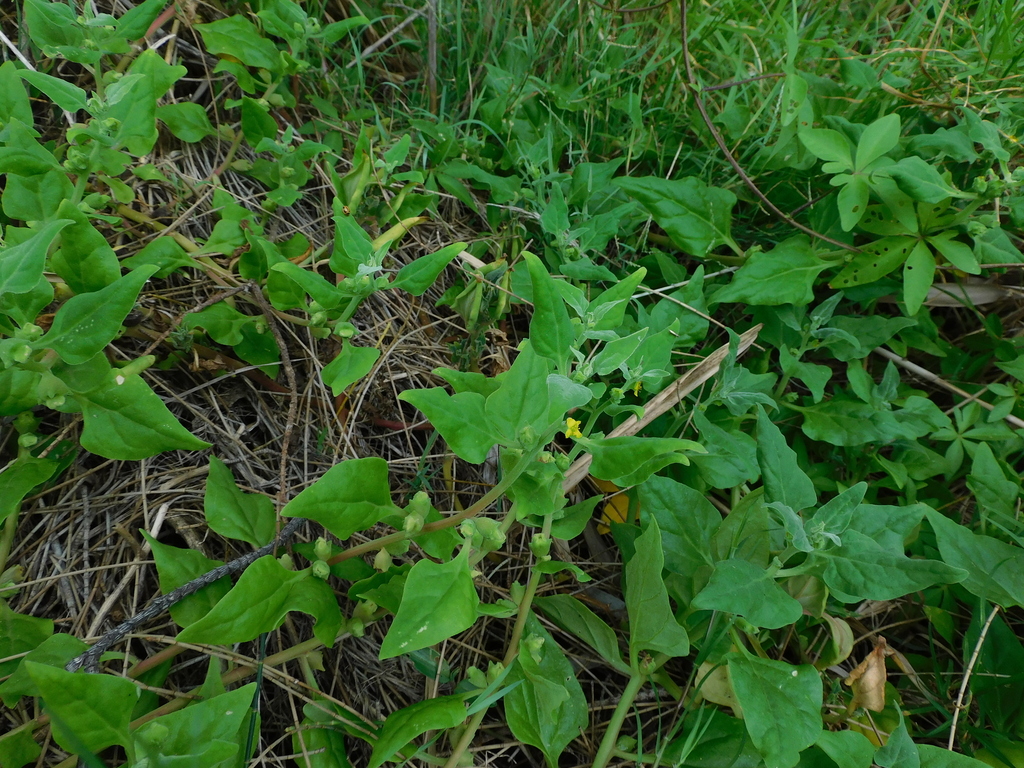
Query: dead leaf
column 868, row 679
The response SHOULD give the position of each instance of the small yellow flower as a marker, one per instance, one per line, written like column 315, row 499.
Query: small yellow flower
column 572, row 428
column 636, row 389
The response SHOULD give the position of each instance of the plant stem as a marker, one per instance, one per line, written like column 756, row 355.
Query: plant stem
column 510, row 656
column 484, row 502
column 7, row 538
column 611, row 734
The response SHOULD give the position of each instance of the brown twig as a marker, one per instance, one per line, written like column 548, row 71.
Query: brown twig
column 695, row 90
column 90, row 659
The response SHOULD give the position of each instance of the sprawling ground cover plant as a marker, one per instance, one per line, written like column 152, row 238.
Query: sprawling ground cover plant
column 803, row 473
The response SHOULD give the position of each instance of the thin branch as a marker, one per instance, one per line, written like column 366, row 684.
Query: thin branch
column 90, row 659
column 967, row 677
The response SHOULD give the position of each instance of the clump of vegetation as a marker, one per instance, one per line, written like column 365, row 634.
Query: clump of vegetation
column 594, row 384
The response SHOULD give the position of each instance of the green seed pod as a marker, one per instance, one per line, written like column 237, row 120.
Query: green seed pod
column 382, row 560
column 286, row 562
column 476, row 677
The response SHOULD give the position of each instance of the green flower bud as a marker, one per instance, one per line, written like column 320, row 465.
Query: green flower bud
column 345, row 330
column 322, row 549
column 382, row 560
column 527, row 436
column 154, row 734
column 517, row 591
column 494, row 670
column 532, row 646
column 320, row 570
column 26, row 422
column 364, row 610
column 476, row 677
column 286, row 562
column 28, row 440
column 286, row 172
column 55, row 402
column 976, row 228
column 490, row 530
column 356, row 627
column 562, row 462
column 413, row 524
column 28, row 332
column 545, row 457
column 540, row 545
column 318, row 319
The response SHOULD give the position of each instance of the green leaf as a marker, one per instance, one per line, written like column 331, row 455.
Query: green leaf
column 259, row 602
column 551, row 333
column 848, row 749
column 630, row 460
column 237, row 37
column 696, row 217
column 186, row 120
column 813, row 375
column 417, row 276
column 835, row 516
column 784, row 481
column 165, row 254
column 352, row 246
column 86, row 323
column 549, row 709
column 918, row 274
column 14, row 103
column 88, row 712
column 19, row 478
column 135, row 22
column 257, row 123
column 333, row 32
column 349, row 497
column 19, row 634
column 687, row 521
column 731, row 457
column 783, row 275
column 206, row 734
column 995, row 494
column 853, row 201
column 351, row 364
column 740, row 587
column 55, row 651
column 124, row 419
column 652, row 625
column 460, row 419
column 609, row 307
column 233, row 513
column 867, row 332
column 920, row 179
column 877, row 139
column 861, row 569
column 439, row 601
column 828, row 145
column 781, row 706
column 21, row 266
column 937, row 757
column 18, row 748
column 176, row 567
column 574, row 617
column 899, row 751
column 522, row 398
column 956, row 253
column 84, row 260
column 993, row 567
column 875, row 261
column 36, row 198
column 64, row 94
column 401, row 727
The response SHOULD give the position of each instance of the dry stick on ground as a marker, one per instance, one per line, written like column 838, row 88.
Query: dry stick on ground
column 695, row 90
column 927, row 375
column 669, row 397
column 967, row 677
column 90, row 659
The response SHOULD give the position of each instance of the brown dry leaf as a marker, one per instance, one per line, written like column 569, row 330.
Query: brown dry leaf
column 868, row 679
